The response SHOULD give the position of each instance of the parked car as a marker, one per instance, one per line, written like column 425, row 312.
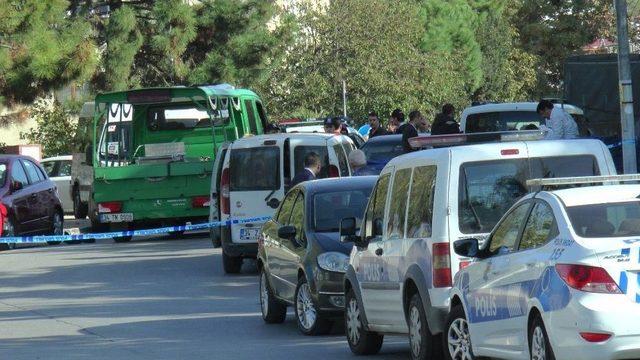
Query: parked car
column 513, row 116
column 380, row 150
column 59, row 171
column 30, row 198
column 400, row 272
column 251, row 177
column 555, row 279
column 300, row 257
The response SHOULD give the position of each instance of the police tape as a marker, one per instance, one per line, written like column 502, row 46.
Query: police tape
column 40, row 239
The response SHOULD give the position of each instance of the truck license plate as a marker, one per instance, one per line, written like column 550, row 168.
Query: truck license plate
column 114, row 218
column 249, row 234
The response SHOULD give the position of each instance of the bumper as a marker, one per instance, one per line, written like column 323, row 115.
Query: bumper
column 245, row 250
column 600, row 313
column 329, row 292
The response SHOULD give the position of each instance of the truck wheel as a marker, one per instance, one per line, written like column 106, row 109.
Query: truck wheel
column 423, row 344
column 123, row 239
column 80, row 209
column 361, row 341
column 214, row 234
column 231, row 264
column 175, row 234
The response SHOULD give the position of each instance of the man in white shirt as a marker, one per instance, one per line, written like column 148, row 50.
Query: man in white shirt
column 559, row 124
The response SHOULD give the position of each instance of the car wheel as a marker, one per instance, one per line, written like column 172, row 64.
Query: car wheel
column 420, row 338
column 231, row 264
column 309, row 319
column 273, row 311
column 80, row 209
column 361, row 341
column 216, row 241
column 539, row 346
column 9, row 231
column 457, row 339
column 57, row 227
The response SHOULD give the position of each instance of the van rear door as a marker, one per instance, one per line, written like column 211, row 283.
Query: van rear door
column 256, row 185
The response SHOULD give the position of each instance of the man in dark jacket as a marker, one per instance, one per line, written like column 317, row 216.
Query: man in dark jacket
column 445, row 123
column 311, row 169
column 376, row 127
column 410, row 130
column 396, row 122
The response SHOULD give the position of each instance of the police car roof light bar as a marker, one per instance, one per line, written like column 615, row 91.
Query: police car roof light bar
column 583, row 180
column 475, row 138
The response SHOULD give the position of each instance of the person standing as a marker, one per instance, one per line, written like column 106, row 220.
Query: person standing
column 396, row 122
column 333, row 125
column 410, row 130
column 311, row 169
column 559, row 124
column 376, row 127
column 444, row 122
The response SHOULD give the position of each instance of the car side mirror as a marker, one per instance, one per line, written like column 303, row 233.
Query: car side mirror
column 16, row 186
column 88, row 155
column 467, row 247
column 348, row 230
column 287, row 232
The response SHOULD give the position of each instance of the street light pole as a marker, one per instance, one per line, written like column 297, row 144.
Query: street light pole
column 626, row 93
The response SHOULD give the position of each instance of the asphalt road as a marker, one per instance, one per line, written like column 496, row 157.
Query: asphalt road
column 148, row 299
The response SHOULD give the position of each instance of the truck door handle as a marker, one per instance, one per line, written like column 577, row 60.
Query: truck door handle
column 379, row 251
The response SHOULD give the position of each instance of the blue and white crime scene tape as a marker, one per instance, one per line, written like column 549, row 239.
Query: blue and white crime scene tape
column 108, row 235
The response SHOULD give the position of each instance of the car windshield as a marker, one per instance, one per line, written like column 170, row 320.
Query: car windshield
column 502, row 121
column 330, row 208
column 382, row 150
column 3, row 173
column 488, row 189
column 610, row 220
column 263, row 163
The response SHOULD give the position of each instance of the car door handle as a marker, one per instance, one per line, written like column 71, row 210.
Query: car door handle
column 379, row 251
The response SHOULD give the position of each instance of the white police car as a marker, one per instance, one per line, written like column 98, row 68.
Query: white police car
column 558, row 278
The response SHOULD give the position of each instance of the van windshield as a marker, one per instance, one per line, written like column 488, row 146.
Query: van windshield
column 502, row 121
column 255, row 169
column 488, row 189
column 606, row 220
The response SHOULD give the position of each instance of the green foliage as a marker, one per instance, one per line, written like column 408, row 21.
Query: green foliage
column 41, row 48
column 123, row 43
column 54, row 129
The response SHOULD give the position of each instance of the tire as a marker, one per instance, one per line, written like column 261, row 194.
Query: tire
column 361, row 341
column 176, row 234
column 80, row 209
column 273, row 311
column 539, row 346
column 122, row 239
column 57, row 227
column 423, row 344
column 214, row 234
column 457, row 341
column 10, row 232
column 308, row 317
column 231, row 264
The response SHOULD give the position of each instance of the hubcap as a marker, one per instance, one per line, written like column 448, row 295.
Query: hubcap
column 264, row 295
column 304, row 307
column 415, row 331
column 459, row 341
column 353, row 321
column 57, row 224
column 538, row 345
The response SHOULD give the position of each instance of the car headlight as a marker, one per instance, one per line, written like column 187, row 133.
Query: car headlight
column 333, row 261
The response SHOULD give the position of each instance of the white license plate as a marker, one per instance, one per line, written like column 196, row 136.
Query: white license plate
column 113, row 218
column 249, row 234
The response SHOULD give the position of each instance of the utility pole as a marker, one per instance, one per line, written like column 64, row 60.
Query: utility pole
column 626, row 93
column 344, row 98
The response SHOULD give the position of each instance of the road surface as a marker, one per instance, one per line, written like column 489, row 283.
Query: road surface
column 148, row 299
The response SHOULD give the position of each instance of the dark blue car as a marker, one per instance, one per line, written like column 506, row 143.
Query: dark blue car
column 379, row 151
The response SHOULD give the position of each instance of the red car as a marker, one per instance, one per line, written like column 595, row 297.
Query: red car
column 30, row 198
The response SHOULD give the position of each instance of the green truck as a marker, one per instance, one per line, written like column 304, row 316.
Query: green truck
column 153, row 151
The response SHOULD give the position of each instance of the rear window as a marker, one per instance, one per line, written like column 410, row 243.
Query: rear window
column 382, row 151
column 3, row 173
column 255, row 169
column 606, row 220
column 300, row 152
column 502, row 121
column 330, row 208
column 488, row 189
column 177, row 118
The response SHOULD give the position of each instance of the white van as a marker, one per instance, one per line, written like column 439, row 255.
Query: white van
column 513, row 116
column 402, row 266
column 251, row 177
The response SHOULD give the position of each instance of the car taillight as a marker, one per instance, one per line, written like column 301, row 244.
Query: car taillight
column 441, row 265
column 595, row 337
column 464, row 264
column 587, row 278
column 3, row 215
column 110, row 207
column 200, row 201
column 225, row 206
column 333, row 171
column 505, row 152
